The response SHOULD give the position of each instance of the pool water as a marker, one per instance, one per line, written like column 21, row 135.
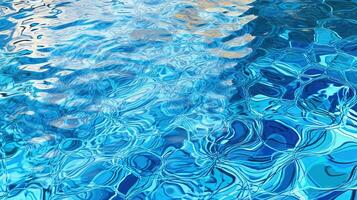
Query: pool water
column 178, row 99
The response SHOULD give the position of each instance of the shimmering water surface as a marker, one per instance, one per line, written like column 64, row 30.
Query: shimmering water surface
column 178, row 99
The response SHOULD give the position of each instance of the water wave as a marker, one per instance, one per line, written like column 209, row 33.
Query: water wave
column 156, row 99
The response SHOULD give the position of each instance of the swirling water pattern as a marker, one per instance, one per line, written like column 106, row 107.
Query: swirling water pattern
column 180, row 99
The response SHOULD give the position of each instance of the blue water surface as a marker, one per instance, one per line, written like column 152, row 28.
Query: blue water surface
column 178, row 99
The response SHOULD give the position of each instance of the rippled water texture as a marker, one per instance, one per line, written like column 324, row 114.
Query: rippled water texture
column 178, row 99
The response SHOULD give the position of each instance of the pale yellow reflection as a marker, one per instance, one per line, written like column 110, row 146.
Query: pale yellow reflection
column 33, row 68
column 240, row 41
column 200, row 20
column 211, row 33
column 196, row 16
column 64, row 73
column 232, row 54
column 42, row 139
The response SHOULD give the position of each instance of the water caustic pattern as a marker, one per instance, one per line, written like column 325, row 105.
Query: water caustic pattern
column 178, row 99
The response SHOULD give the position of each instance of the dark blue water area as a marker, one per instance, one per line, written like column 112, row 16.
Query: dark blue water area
column 178, row 99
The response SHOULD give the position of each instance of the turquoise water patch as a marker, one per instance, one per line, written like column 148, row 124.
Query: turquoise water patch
column 178, row 99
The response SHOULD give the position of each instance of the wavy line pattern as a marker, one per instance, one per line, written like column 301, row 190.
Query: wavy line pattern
column 183, row 99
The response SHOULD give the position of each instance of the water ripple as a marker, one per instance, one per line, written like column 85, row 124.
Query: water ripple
column 183, row 99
